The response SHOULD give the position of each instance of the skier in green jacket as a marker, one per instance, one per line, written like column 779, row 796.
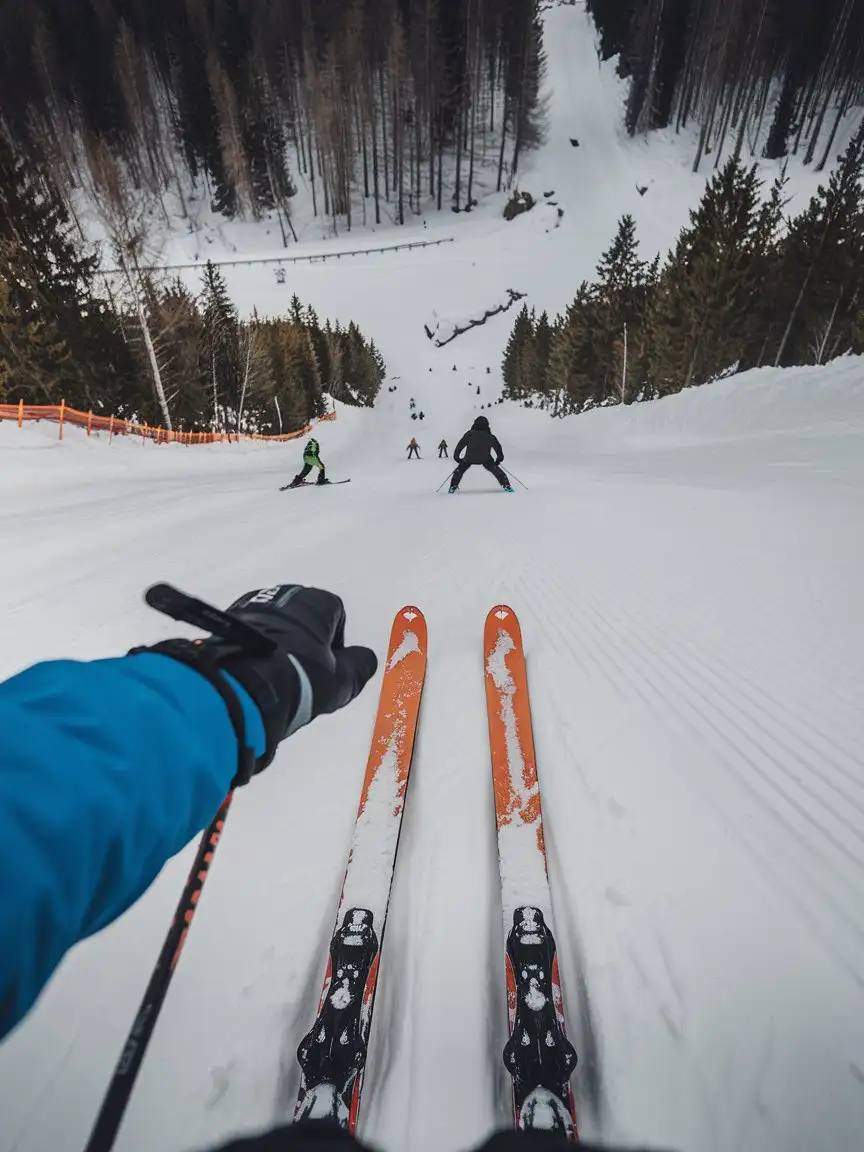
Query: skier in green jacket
column 311, row 459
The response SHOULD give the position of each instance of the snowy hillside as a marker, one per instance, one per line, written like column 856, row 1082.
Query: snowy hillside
column 687, row 575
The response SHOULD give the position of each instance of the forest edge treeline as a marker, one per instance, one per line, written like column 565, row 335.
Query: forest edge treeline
column 742, row 288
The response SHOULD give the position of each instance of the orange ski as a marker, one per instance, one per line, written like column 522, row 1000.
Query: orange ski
column 538, row 1055
column 333, row 1054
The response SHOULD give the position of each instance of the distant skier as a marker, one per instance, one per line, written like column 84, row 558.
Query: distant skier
column 413, row 449
column 442, row 450
column 477, row 447
column 311, row 459
column 422, row 415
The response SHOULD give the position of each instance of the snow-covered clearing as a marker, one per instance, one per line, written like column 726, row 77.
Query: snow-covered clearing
column 688, row 579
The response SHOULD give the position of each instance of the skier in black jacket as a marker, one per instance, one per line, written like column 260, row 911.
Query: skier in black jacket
column 477, row 447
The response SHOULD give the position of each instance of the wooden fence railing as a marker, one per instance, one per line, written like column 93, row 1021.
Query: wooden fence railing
column 115, row 426
column 311, row 258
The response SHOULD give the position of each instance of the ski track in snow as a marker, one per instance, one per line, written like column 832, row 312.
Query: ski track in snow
column 687, row 577
column 693, row 673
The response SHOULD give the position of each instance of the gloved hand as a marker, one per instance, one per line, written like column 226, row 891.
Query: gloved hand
column 309, row 671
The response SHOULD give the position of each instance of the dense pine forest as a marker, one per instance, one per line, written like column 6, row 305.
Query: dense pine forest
column 384, row 110
column 769, row 76
column 154, row 350
column 383, row 106
column 743, row 288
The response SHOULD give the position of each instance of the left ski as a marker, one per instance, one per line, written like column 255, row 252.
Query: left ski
column 538, row 1054
column 333, row 1054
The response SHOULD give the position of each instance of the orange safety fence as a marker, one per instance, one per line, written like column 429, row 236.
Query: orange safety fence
column 115, row 426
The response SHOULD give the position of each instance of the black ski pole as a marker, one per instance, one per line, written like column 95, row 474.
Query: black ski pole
column 179, row 606
column 513, row 476
column 126, row 1072
column 449, row 476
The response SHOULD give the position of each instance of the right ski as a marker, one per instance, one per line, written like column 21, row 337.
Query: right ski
column 333, row 1053
column 538, row 1054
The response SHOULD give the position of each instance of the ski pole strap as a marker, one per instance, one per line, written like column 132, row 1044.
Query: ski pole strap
column 195, row 657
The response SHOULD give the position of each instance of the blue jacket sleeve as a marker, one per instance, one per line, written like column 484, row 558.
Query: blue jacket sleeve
column 107, row 769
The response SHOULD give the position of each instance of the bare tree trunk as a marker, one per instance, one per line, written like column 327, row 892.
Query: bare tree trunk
column 324, row 171
column 398, row 135
column 155, row 370
column 503, row 140
column 705, row 133
column 418, row 157
column 821, row 344
column 842, row 109
column 763, row 104
column 795, row 309
column 475, row 92
column 215, row 386
column 724, row 128
column 300, row 135
column 375, row 183
column 250, row 336
column 493, row 81
column 750, row 81
column 361, row 136
column 624, row 370
column 346, row 153
column 312, row 166
column 384, row 133
column 802, row 111
column 688, row 75
column 643, row 123
column 458, row 192
column 440, row 160
column 431, row 96
column 526, row 57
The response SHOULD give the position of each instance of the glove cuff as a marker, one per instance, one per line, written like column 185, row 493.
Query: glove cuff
column 304, row 709
column 196, row 657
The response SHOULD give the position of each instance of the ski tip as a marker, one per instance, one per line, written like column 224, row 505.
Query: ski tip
column 408, row 635
column 501, row 619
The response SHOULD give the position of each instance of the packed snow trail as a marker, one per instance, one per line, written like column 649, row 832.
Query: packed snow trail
column 687, row 576
column 692, row 620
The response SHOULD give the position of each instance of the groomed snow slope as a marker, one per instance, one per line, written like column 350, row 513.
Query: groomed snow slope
column 688, row 579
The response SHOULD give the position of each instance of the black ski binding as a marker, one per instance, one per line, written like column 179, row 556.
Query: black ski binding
column 538, row 1055
column 333, row 1053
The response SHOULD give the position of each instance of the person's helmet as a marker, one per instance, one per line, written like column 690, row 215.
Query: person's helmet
column 481, row 424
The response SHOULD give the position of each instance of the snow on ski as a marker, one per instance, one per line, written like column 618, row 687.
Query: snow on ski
column 333, row 1054
column 538, row 1055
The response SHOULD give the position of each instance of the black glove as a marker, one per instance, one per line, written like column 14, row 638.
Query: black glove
column 299, row 670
